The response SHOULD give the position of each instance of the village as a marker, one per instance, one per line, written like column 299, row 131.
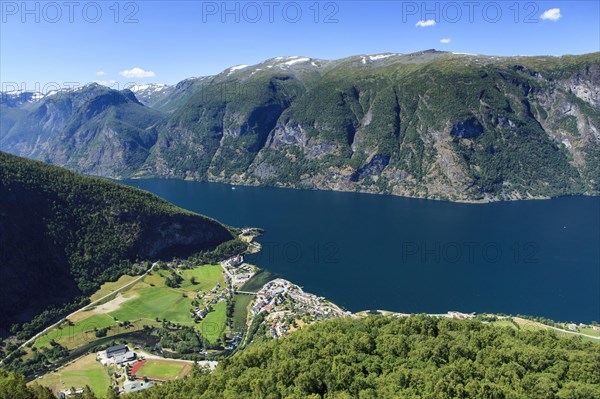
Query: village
column 237, row 273
column 287, row 307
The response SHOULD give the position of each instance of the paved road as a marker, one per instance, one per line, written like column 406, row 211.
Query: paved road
column 560, row 329
column 36, row 336
column 572, row 332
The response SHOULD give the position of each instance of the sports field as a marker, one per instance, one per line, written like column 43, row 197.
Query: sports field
column 161, row 370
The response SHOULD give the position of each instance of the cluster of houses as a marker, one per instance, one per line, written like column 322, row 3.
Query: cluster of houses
column 270, row 295
column 235, row 341
column 237, row 272
column 279, row 327
column 200, row 313
column 574, row 327
column 283, row 301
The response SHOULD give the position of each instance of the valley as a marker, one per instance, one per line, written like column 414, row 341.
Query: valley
column 300, row 200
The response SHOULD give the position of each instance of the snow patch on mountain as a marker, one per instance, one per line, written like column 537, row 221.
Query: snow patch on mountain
column 365, row 59
column 236, row 68
column 155, row 87
column 295, row 61
column 380, row 56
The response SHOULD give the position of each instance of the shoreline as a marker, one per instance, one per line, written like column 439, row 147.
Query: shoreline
column 283, row 187
column 520, row 320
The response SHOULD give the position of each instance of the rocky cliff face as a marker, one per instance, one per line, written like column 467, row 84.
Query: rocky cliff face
column 429, row 124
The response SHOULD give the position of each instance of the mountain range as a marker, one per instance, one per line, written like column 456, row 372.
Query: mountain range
column 429, row 124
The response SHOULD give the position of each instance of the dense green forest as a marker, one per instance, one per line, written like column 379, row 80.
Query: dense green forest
column 63, row 234
column 386, row 357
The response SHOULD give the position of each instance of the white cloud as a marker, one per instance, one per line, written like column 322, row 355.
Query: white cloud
column 425, row 24
column 100, row 73
column 137, row 73
column 446, row 40
column 552, row 14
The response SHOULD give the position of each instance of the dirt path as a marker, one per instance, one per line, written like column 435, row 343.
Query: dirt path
column 112, row 305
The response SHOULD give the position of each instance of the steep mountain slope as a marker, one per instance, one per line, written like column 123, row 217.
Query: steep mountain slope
column 63, row 234
column 93, row 130
column 169, row 98
column 428, row 124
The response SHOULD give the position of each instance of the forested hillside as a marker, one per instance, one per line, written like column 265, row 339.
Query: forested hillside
column 429, row 124
column 413, row 357
column 63, row 234
column 416, row 357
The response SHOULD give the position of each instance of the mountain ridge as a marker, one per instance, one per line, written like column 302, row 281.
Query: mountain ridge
column 428, row 124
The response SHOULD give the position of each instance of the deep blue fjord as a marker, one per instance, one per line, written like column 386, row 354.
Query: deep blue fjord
column 540, row 258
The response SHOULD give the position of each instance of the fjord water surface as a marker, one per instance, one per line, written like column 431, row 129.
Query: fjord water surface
column 539, row 258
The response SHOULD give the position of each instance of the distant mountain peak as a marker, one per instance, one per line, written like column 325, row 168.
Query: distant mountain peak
column 148, row 86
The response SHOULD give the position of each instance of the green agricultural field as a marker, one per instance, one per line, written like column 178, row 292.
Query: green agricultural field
column 206, row 276
column 82, row 372
column 82, row 331
column 153, row 302
column 156, row 279
column 149, row 300
column 163, row 370
column 213, row 325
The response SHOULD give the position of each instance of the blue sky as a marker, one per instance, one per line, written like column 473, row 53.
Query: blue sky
column 47, row 42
